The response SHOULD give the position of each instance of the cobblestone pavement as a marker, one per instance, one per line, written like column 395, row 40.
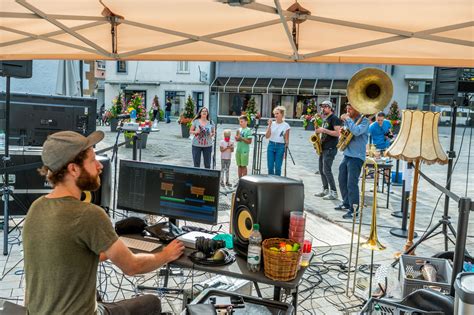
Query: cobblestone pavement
column 317, row 297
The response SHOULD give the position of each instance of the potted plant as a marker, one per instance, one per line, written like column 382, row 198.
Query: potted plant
column 310, row 115
column 394, row 117
column 186, row 117
column 251, row 112
column 136, row 104
column 113, row 112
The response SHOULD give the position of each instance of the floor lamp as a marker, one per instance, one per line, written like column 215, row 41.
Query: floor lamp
column 417, row 142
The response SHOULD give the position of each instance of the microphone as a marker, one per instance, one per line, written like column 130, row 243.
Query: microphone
column 123, row 116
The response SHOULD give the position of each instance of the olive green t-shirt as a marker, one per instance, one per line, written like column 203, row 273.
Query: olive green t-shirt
column 62, row 240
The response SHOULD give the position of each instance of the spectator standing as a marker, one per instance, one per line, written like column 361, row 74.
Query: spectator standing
column 278, row 133
column 227, row 147
column 203, row 132
column 243, row 139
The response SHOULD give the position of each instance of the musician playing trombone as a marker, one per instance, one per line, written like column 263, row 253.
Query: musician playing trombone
column 354, row 157
column 329, row 134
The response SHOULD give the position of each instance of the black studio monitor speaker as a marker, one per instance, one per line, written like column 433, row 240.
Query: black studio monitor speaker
column 16, row 68
column 452, row 84
column 102, row 196
column 268, row 201
column 28, row 185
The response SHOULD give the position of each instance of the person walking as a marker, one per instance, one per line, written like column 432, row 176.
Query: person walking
column 203, row 132
column 168, row 105
column 278, row 133
column 329, row 136
column 351, row 165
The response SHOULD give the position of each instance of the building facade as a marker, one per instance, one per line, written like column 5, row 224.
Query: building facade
column 294, row 85
column 175, row 80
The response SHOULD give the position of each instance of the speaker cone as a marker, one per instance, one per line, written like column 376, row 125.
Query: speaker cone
column 87, row 196
column 244, row 223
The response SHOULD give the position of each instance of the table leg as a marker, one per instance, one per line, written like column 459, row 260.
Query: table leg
column 388, row 190
column 383, row 180
column 257, row 288
column 276, row 293
column 165, row 281
column 295, row 299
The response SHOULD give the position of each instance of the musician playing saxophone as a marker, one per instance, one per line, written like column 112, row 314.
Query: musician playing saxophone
column 354, row 157
column 329, row 135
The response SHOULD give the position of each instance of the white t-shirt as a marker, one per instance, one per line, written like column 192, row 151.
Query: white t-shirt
column 278, row 131
column 226, row 155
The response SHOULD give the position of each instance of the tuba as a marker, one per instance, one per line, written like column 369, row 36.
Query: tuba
column 316, row 139
column 369, row 92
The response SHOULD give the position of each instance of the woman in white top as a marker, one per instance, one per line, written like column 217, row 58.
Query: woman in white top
column 278, row 133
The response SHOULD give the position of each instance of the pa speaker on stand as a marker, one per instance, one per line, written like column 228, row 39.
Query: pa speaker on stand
column 268, row 201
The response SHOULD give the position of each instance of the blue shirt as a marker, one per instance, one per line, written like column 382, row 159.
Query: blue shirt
column 378, row 133
column 357, row 147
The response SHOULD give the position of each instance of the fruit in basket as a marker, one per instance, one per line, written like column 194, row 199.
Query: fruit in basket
column 288, row 248
column 296, row 247
column 274, row 249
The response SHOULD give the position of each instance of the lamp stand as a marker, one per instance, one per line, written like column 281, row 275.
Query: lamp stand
column 411, row 228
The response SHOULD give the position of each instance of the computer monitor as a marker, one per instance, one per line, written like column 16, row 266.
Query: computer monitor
column 177, row 192
column 33, row 116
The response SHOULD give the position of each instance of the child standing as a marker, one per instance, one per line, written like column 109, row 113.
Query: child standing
column 243, row 139
column 227, row 147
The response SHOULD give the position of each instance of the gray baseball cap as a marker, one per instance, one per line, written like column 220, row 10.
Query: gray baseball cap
column 326, row 103
column 62, row 147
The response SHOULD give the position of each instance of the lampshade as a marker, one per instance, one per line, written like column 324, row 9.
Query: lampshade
column 418, row 139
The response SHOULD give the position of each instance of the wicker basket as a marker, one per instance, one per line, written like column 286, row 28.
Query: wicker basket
column 280, row 266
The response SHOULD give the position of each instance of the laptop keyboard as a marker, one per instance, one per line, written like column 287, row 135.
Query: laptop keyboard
column 139, row 244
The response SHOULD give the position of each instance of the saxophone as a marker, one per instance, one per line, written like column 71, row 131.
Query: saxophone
column 316, row 139
column 346, row 136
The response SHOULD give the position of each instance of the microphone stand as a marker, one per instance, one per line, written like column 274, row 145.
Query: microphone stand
column 114, row 159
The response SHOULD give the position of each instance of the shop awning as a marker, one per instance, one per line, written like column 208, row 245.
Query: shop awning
column 286, row 86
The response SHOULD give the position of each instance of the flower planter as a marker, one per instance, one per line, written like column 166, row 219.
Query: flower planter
column 113, row 124
column 184, row 131
column 143, row 137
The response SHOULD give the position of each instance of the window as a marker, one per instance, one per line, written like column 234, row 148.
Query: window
column 121, row 67
column 178, row 99
column 419, row 94
column 100, row 64
column 183, row 66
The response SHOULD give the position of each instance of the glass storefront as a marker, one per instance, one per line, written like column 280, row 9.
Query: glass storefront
column 419, row 94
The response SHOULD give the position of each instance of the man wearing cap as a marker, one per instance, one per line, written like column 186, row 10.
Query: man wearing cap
column 64, row 238
column 329, row 137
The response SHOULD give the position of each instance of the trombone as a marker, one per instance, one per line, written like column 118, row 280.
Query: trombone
column 372, row 243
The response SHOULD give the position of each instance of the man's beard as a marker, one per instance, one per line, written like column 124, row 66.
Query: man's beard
column 86, row 181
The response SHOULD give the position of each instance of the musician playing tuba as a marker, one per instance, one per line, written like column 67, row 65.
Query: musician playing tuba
column 354, row 157
column 329, row 134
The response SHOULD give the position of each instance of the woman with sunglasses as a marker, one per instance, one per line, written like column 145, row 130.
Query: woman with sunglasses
column 203, row 132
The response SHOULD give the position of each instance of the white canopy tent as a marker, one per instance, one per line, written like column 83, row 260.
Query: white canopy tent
column 421, row 32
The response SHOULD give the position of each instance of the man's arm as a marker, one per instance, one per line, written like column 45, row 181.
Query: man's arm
column 132, row 264
column 359, row 129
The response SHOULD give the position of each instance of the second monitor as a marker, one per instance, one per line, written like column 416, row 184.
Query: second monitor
column 177, row 192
